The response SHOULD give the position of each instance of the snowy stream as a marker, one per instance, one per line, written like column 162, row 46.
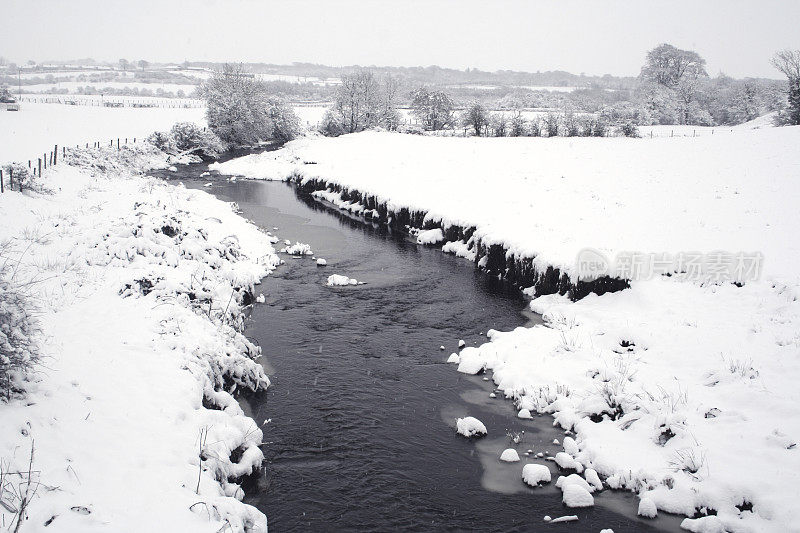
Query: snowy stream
column 362, row 408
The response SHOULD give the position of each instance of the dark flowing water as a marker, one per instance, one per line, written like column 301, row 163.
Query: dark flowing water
column 362, row 405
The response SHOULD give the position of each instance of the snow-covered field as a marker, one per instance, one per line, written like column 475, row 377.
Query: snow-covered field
column 681, row 388
column 138, row 288
column 32, row 131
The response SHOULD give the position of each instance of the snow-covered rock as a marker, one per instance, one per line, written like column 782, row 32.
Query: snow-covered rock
column 570, row 446
column 647, row 508
column 431, row 236
column 573, row 479
column 594, row 480
column 339, row 280
column 509, row 455
column 567, row 462
column 566, row 518
column 321, row 262
column 706, row 524
column 535, row 474
column 461, row 343
column 524, row 413
column 470, row 426
column 454, row 358
column 261, row 298
column 576, row 496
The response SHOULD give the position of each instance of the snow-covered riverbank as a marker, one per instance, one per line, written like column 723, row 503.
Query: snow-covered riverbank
column 140, row 288
column 681, row 388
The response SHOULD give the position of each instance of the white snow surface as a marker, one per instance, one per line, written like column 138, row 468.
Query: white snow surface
column 702, row 408
column 470, row 426
column 732, row 192
column 117, row 409
column 36, row 128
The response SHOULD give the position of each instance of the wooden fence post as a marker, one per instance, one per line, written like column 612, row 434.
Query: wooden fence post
column 44, row 156
column 2, row 187
column 40, row 166
column 11, row 178
column 55, row 155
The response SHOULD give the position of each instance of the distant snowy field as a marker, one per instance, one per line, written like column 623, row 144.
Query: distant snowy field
column 682, row 389
column 29, row 133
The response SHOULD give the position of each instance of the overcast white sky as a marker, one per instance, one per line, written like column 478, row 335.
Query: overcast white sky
column 592, row 36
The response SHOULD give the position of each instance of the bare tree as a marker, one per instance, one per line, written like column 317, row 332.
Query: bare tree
column 668, row 66
column 476, row 117
column 433, row 108
column 679, row 71
column 788, row 62
column 358, row 102
column 143, row 64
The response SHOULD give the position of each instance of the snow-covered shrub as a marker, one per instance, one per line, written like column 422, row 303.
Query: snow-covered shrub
column 330, row 127
column 518, row 127
column 236, row 107
column 110, row 160
column 187, row 138
column 285, row 124
column 21, row 174
column 551, row 124
column 19, row 332
column 628, row 129
column 571, row 125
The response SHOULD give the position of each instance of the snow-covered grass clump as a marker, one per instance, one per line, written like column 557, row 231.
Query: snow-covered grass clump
column 470, row 426
column 335, row 280
column 140, row 289
column 298, row 248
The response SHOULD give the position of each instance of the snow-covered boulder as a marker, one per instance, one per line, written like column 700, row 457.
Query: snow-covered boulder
column 454, row 358
column 461, row 343
column 469, row 426
column 261, row 298
column 570, row 446
column 339, row 280
column 509, row 455
column 576, row 496
column 534, row 474
column 321, row 262
column 431, row 236
column 647, row 508
column 594, row 480
column 573, row 479
column 524, row 413
column 565, row 461
column 706, row 524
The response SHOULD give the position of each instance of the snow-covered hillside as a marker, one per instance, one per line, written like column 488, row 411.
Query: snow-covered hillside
column 682, row 387
column 139, row 288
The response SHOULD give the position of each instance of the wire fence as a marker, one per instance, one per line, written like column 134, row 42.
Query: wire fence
column 116, row 101
column 16, row 174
